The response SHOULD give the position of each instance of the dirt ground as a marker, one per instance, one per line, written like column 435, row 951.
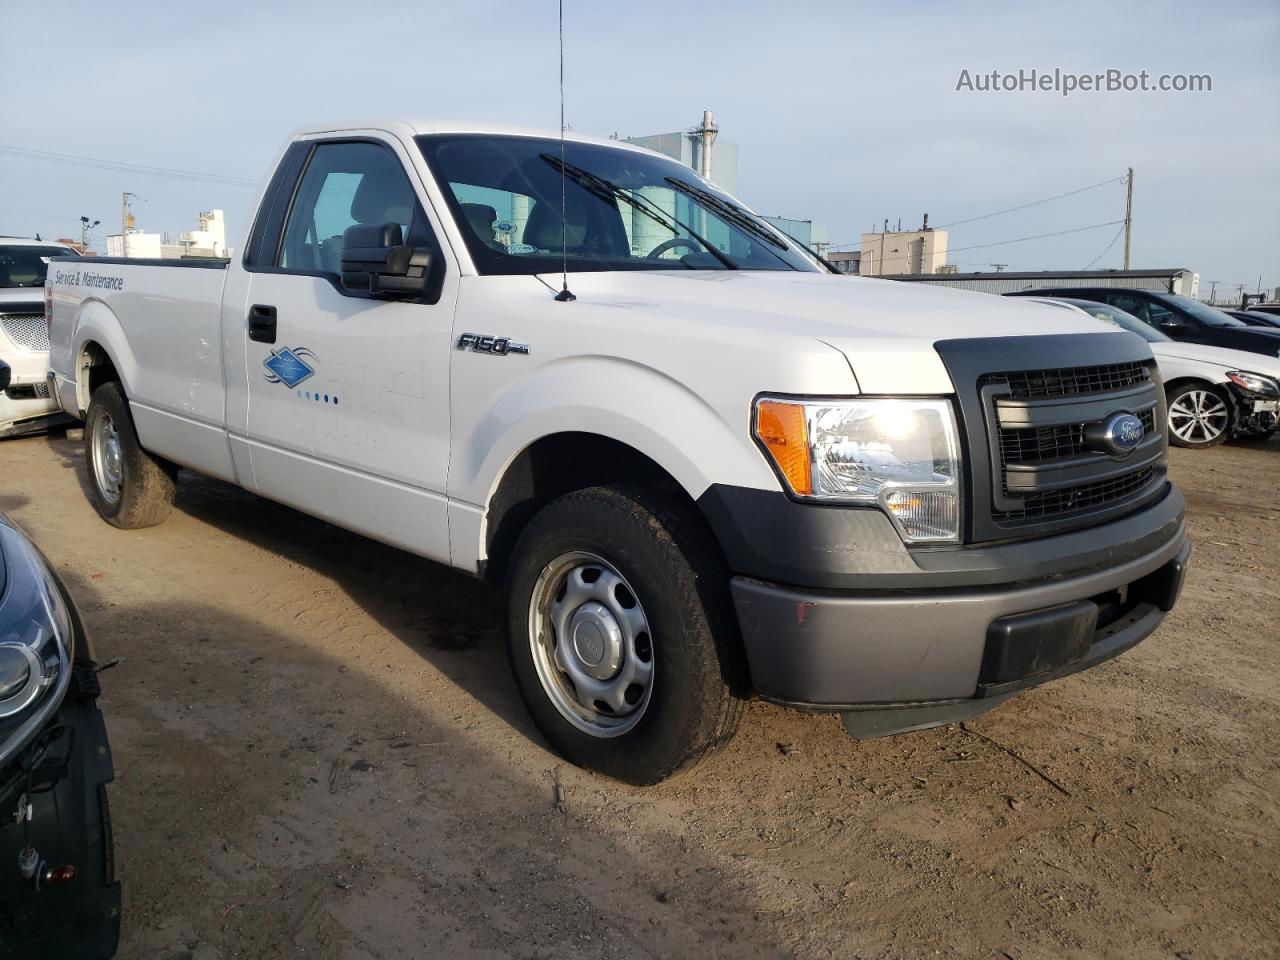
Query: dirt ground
column 320, row 753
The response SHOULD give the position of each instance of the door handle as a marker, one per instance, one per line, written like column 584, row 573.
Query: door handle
column 262, row 323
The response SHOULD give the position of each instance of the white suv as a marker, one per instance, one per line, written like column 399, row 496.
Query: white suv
column 27, row 405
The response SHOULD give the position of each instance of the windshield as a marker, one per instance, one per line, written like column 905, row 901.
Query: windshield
column 22, row 266
column 624, row 210
column 1209, row 316
column 1119, row 318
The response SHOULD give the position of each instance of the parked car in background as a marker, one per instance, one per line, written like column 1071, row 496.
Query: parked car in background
column 1255, row 318
column 27, row 405
column 58, row 892
column 1177, row 317
column 1213, row 393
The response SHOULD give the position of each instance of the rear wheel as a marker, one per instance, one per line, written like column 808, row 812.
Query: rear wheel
column 1199, row 416
column 128, row 487
column 621, row 634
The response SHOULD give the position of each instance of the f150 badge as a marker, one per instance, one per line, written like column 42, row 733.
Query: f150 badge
column 289, row 366
column 494, row 346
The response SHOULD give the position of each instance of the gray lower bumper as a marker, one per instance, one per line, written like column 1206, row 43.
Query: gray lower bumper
column 913, row 650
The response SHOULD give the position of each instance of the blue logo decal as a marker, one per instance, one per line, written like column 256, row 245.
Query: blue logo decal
column 1124, row 431
column 289, row 366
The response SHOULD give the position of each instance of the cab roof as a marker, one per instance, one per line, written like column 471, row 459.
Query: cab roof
column 407, row 129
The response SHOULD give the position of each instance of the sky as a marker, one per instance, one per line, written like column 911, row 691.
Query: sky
column 844, row 113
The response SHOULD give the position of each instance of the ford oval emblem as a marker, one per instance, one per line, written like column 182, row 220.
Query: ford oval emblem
column 1123, row 432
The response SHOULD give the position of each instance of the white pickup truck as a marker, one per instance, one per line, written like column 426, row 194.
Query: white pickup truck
column 699, row 463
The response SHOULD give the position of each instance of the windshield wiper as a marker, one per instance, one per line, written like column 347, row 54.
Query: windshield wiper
column 729, row 211
column 608, row 190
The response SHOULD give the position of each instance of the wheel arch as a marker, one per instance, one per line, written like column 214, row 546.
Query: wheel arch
column 560, row 463
column 93, row 367
column 100, row 352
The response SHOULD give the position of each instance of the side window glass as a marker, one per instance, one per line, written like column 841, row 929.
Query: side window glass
column 1130, row 304
column 1158, row 313
column 345, row 184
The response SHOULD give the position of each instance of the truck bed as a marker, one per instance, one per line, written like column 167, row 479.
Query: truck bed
column 160, row 323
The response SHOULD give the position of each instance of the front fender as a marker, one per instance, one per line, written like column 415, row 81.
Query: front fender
column 639, row 406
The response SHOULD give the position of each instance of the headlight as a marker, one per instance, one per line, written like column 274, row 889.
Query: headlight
column 898, row 454
column 1254, row 383
column 36, row 646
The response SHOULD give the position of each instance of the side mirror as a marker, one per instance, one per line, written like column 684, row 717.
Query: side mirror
column 5, row 373
column 376, row 260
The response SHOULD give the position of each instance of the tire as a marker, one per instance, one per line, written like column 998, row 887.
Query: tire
column 672, row 661
column 127, row 486
column 1200, row 416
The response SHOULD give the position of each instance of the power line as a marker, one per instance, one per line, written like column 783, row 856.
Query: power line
column 1039, row 236
column 122, row 167
column 1021, row 206
column 1001, row 243
column 1109, row 245
column 1033, row 203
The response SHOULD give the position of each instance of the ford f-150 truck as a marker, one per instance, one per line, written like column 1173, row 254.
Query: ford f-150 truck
column 699, row 463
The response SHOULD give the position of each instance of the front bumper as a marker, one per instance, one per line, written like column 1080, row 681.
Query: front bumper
column 62, row 772
column 28, row 406
column 900, row 659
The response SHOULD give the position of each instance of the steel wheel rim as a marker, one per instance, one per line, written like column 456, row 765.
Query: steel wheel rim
column 107, row 458
column 592, row 644
column 1198, row 411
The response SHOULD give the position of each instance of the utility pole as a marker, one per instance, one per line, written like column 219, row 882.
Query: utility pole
column 126, row 221
column 999, row 266
column 1128, row 216
column 880, row 265
column 1213, row 289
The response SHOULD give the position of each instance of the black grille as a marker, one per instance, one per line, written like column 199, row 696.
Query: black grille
column 1036, row 444
column 1068, row 381
column 1083, row 497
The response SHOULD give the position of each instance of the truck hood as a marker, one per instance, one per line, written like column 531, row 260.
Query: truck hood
column 885, row 328
column 1222, row 357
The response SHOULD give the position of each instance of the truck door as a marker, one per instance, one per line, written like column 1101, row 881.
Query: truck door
column 348, row 396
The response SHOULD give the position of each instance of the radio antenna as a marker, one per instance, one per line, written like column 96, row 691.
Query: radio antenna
column 564, row 296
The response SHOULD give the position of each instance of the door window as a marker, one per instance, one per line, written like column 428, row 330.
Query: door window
column 1130, row 304
column 347, row 184
column 1159, row 315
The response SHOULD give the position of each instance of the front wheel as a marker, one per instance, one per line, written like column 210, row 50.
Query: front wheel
column 1199, row 416
column 621, row 634
column 127, row 486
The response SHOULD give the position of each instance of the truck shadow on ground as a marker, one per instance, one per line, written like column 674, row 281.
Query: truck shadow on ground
column 268, row 806
column 452, row 620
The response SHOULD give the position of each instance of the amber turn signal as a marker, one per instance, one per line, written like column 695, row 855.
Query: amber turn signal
column 780, row 426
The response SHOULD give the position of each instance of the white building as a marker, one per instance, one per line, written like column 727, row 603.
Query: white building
column 143, row 245
column 208, row 240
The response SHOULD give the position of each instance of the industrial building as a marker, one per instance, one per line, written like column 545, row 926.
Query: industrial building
column 701, row 148
column 1171, row 280
column 893, row 253
column 209, row 239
